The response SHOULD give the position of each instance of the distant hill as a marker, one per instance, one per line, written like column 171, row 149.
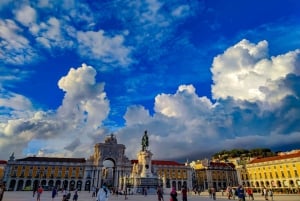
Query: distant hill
column 234, row 153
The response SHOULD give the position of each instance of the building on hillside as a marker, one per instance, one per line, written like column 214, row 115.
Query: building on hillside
column 209, row 174
column 280, row 173
column 107, row 165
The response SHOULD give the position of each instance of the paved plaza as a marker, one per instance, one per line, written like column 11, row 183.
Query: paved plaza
column 85, row 196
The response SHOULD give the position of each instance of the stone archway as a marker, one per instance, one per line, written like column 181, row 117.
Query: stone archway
column 110, row 163
column 12, row 185
column 108, row 172
column 20, row 185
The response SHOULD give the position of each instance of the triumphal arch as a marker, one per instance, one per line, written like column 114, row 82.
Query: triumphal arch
column 108, row 164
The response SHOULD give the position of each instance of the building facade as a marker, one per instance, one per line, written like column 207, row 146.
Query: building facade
column 280, row 173
column 108, row 164
column 30, row 172
column 209, row 174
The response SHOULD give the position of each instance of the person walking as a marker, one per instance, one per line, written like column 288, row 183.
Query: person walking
column 75, row 196
column 103, row 194
column 173, row 194
column 265, row 191
column 34, row 189
column 54, row 193
column 271, row 194
column 213, row 193
column 233, row 193
column 184, row 193
column 159, row 194
column 94, row 191
column 241, row 193
column 64, row 194
column 39, row 193
column 250, row 193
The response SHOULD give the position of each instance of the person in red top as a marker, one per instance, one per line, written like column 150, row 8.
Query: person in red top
column 39, row 193
column 250, row 193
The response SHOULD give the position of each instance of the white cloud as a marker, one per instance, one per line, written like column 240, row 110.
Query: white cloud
column 80, row 117
column 184, row 104
column 85, row 100
column 50, row 34
column 14, row 48
column 183, row 124
column 26, row 15
column 181, row 10
column 136, row 115
column 245, row 72
column 98, row 46
column 14, row 101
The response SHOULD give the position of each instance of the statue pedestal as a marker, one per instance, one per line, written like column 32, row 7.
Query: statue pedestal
column 144, row 160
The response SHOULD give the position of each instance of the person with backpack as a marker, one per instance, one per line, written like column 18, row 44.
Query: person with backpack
column 241, row 193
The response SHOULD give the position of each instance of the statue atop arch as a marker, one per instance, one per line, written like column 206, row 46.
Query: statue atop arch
column 145, row 141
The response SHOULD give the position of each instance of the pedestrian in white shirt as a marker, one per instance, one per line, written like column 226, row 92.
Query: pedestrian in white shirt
column 103, row 194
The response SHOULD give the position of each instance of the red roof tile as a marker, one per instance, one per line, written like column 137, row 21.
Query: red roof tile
column 3, row 162
column 220, row 164
column 273, row 158
column 160, row 162
column 53, row 159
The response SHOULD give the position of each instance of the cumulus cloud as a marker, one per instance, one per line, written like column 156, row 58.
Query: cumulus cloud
column 76, row 123
column 85, row 100
column 184, row 124
column 247, row 81
column 136, row 115
column 245, row 72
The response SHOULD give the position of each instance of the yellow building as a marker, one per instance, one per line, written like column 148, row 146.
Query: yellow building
column 30, row 172
column 107, row 165
column 280, row 173
column 2, row 167
column 209, row 174
column 173, row 174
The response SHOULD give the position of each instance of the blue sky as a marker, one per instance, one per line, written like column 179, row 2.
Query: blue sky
column 199, row 76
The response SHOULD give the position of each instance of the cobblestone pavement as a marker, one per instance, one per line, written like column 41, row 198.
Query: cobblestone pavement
column 85, row 196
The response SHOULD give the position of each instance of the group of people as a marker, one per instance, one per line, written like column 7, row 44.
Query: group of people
column 240, row 192
column 65, row 194
column 173, row 194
